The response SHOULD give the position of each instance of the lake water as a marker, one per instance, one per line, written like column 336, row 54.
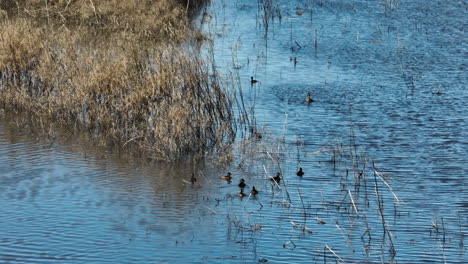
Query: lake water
column 374, row 73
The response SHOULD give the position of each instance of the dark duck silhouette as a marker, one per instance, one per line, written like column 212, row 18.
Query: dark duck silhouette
column 252, row 80
column 277, row 178
column 242, row 183
column 253, row 191
column 309, row 98
column 300, row 172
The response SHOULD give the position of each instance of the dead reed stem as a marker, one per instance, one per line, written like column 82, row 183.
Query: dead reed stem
column 334, row 254
column 384, row 181
column 386, row 231
column 303, row 206
column 352, row 202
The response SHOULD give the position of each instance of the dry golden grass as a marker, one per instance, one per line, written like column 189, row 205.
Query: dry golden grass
column 114, row 68
column 156, row 20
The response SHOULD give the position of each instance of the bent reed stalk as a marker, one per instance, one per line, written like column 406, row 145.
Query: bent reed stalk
column 117, row 69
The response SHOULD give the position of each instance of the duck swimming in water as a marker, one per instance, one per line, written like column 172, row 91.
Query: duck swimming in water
column 227, row 177
column 252, row 80
column 300, row 172
column 241, row 193
column 253, row 191
column 277, row 178
column 242, row 183
column 309, row 98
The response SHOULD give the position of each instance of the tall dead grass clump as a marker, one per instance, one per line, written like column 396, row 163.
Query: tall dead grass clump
column 118, row 69
column 164, row 20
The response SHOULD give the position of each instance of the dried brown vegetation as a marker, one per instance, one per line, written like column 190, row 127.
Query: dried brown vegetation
column 115, row 68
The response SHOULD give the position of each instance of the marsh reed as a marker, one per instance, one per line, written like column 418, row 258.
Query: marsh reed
column 119, row 69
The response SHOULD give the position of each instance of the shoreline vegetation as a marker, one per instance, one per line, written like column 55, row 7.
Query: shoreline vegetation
column 118, row 69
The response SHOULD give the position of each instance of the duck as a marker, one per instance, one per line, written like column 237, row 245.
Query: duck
column 277, row 178
column 193, row 179
column 241, row 193
column 242, row 184
column 227, row 177
column 253, row 191
column 300, row 172
column 252, row 80
column 309, row 98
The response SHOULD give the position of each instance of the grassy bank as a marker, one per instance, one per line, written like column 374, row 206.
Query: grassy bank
column 117, row 69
